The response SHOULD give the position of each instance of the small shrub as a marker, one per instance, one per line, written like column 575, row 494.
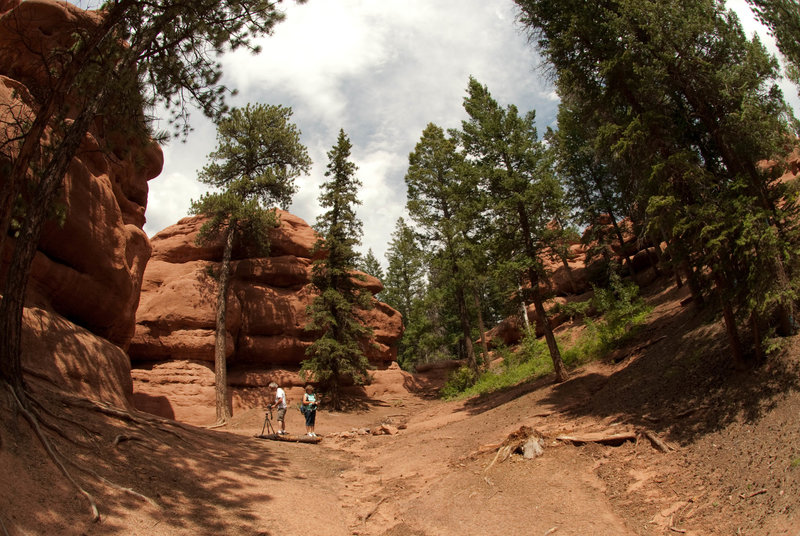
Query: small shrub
column 458, row 382
column 622, row 310
column 574, row 310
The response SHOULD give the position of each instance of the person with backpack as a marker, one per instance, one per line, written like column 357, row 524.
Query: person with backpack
column 309, row 410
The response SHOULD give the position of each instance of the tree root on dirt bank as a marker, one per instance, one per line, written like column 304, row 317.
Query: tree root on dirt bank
column 33, row 421
column 33, row 411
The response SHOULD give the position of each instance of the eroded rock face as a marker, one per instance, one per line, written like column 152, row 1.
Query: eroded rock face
column 266, row 336
column 90, row 268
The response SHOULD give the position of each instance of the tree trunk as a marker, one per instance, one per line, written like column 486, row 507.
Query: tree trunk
column 623, row 250
column 570, row 276
column 555, row 354
column 737, row 350
column 465, row 329
column 694, row 284
column 481, row 328
column 758, row 337
column 786, row 323
column 541, row 315
column 669, row 257
column 224, row 412
column 13, row 302
column 524, row 311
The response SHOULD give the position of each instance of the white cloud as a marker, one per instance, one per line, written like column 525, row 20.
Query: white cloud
column 381, row 70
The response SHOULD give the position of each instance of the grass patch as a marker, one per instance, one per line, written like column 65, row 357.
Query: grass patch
column 623, row 312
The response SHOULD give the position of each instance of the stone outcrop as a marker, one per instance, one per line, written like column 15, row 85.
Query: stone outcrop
column 88, row 269
column 173, row 348
column 266, row 305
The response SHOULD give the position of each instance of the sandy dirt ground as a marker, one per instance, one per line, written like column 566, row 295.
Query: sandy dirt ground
column 732, row 465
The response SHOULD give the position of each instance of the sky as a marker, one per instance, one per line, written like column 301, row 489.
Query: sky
column 381, row 70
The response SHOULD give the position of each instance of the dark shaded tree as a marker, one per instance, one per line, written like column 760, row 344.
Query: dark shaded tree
column 339, row 351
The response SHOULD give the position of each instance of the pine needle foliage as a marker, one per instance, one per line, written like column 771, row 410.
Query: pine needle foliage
column 338, row 354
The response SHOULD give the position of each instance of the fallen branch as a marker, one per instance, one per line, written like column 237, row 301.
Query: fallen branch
column 374, row 509
column 602, row 438
column 751, row 495
column 660, row 445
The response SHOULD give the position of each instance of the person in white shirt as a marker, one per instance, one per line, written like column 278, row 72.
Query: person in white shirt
column 280, row 403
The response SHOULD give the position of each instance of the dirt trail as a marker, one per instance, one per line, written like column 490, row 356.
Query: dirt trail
column 431, row 476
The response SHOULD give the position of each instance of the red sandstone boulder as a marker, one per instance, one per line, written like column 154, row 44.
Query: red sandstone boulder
column 266, row 307
column 90, row 268
column 72, row 359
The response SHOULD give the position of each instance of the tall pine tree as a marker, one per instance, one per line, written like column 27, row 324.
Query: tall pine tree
column 257, row 159
column 339, row 351
column 440, row 188
column 519, row 180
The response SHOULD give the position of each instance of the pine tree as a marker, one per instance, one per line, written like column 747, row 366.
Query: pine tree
column 257, row 159
column 404, row 289
column 441, row 190
column 782, row 17
column 519, row 180
column 678, row 91
column 370, row 265
column 339, row 351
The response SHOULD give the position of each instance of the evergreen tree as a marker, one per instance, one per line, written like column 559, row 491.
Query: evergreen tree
column 339, row 350
column 405, row 275
column 678, row 92
column 257, row 159
column 370, row 265
column 782, row 17
column 519, row 180
column 441, row 190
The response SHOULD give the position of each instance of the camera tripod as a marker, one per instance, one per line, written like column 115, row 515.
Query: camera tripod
column 268, row 423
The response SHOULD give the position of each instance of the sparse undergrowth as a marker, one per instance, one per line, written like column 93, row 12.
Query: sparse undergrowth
column 622, row 312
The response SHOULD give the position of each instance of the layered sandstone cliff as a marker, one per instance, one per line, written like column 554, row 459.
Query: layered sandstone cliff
column 88, row 269
column 84, row 285
column 173, row 348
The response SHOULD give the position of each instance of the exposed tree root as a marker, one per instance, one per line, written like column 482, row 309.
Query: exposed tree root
column 34, row 424
column 122, row 437
column 218, row 424
column 115, row 485
column 43, row 408
column 158, row 422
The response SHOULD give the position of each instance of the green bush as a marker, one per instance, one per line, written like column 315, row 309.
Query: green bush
column 458, row 382
column 622, row 310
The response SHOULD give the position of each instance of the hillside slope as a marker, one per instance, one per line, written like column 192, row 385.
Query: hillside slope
column 733, row 467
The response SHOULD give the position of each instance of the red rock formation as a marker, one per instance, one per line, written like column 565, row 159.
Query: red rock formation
column 173, row 348
column 90, row 268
